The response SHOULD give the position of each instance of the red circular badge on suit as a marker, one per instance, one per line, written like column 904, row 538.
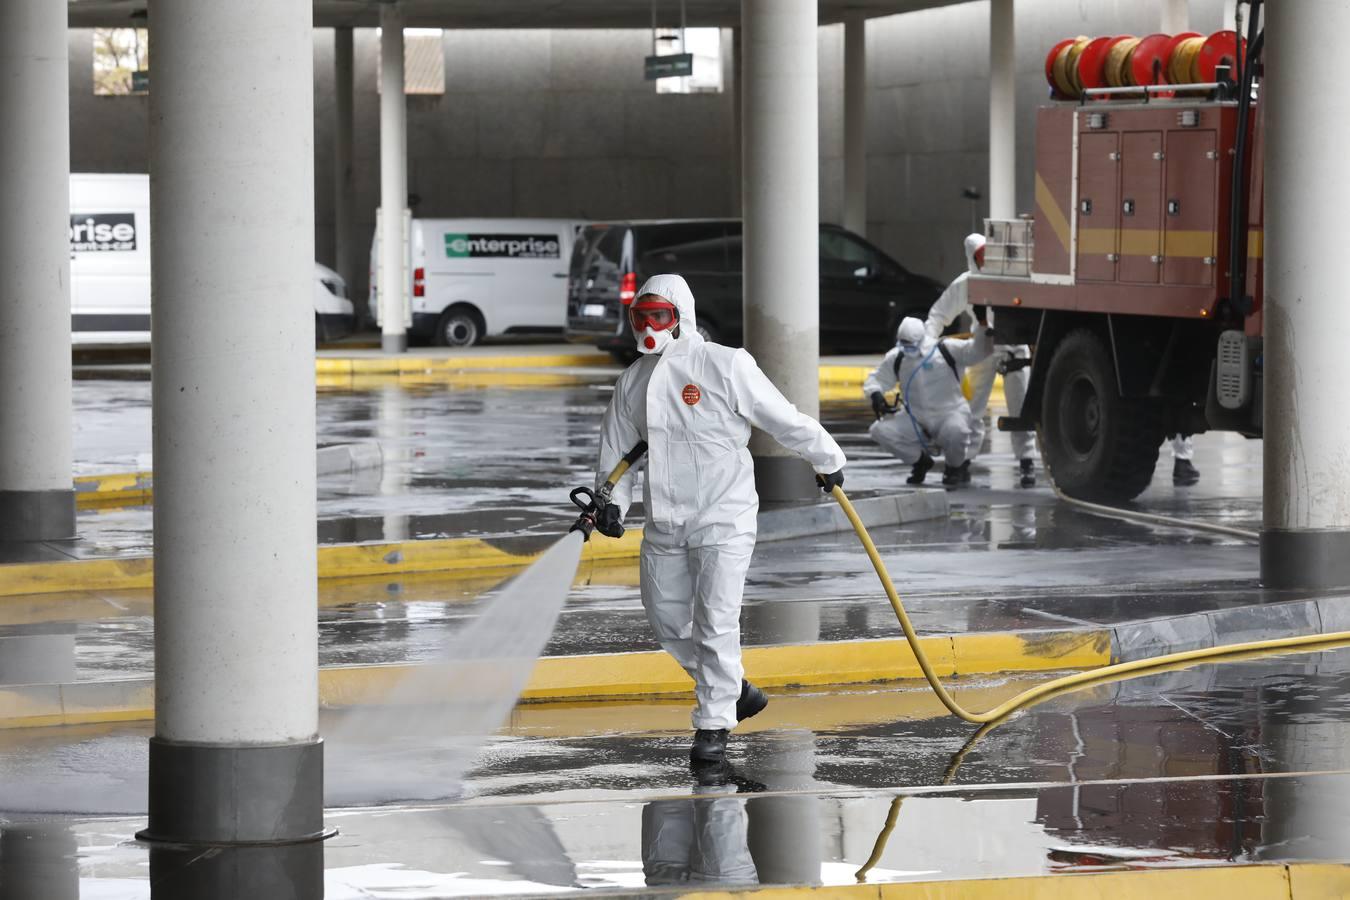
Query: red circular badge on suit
column 691, row 394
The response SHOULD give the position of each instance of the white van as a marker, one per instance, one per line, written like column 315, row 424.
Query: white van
column 110, row 266
column 476, row 278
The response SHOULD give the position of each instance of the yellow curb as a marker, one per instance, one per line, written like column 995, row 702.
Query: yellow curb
column 611, row 676
column 813, row 708
column 115, row 489
column 335, row 561
column 401, row 365
column 470, row 379
column 431, row 587
column 853, row 376
column 76, row 575
column 1262, row 881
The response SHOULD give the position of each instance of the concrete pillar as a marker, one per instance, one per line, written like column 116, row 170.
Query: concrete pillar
column 1002, row 111
column 236, row 756
column 344, row 184
column 737, row 129
column 1305, row 541
column 1176, row 17
column 393, row 277
column 781, row 208
column 37, row 499
column 855, row 123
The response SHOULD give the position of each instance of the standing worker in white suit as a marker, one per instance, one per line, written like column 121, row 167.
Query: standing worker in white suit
column 954, row 302
column 693, row 402
column 933, row 417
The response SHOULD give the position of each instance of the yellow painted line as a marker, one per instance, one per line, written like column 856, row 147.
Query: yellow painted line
column 471, row 379
column 813, row 708
column 1261, row 881
column 115, row 489
column 611, row 676
column 1049, row 208
column 429, row 587
column 654, row 674
column 401, row 365
column 1181, row 244
column 835, row 380
column 1256, row 243
column 335, row 561
column 76, row 575
column 844, row 375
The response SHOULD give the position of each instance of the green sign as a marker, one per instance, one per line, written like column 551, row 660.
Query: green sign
column 509, row 246
column 140, row 81
column 671, row 65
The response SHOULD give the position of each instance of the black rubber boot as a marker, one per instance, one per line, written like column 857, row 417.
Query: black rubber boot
column 710, row 746
column 1184, row 474
column 955, row 476
column 1028, row 467
column 752, row 701
column 920, row 470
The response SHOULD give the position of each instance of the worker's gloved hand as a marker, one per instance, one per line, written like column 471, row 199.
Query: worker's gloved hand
column 878, row 404
column 607, row 521
column 1004, row 359
column 829, row 482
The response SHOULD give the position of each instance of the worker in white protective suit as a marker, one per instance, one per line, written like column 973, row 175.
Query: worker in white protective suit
column 954, row 302
column 932, row 417
column 693, row 402
column 1184, row 472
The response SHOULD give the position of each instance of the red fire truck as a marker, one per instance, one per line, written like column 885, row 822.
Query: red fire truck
column 1138, row 278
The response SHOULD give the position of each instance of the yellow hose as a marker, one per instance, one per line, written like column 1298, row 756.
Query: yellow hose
column 1118, row 672
column 1181, row 67
column 1057, row 685
column 1118, row 73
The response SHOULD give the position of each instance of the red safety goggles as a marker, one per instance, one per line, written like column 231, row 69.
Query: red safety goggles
column 658, row 315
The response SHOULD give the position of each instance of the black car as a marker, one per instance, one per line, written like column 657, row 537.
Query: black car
column 863, row 292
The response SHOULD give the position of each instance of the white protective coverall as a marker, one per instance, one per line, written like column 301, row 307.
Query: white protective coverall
column 932, row 390
column 694, row 404
column 954, row 302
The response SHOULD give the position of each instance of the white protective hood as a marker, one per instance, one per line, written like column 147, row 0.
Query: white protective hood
column 676, row 290
column 973, row 243
column 910, row 330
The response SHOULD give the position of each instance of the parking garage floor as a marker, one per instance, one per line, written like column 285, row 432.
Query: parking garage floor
column 1212, row 765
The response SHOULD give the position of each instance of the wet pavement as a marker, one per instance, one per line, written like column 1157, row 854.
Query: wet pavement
column 1187, row 768
column 1246, row 762
column 503, row 458
column 496, row 462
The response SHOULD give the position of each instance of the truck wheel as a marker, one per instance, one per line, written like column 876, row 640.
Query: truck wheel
column 459, row 326
column 1097, row 444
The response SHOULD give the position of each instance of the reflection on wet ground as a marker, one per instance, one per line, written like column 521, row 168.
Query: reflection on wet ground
column 497, row 462
column 1287, row 714
column 715, row 832
column 1006, row 557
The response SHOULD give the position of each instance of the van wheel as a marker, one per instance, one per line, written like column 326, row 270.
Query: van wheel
column 459, row 326
column 709, row 331
column 1098, row 445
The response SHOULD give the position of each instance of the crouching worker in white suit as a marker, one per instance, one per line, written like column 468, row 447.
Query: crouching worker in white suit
column 693, row 402
column 933, row 417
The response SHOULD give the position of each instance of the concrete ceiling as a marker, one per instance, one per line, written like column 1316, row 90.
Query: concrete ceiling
column 514, row 13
